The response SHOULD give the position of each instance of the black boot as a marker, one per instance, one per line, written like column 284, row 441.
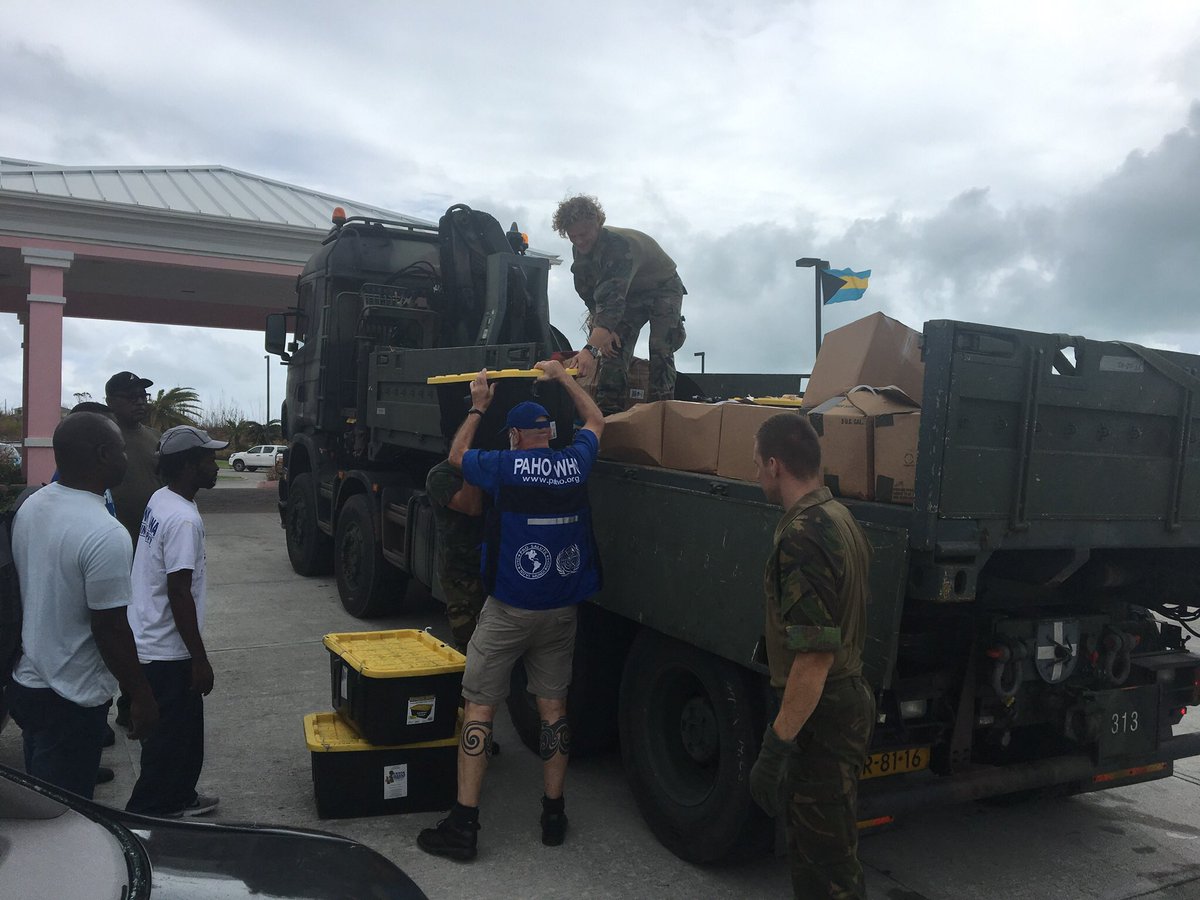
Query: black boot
column 455, row 836
column 554, row 821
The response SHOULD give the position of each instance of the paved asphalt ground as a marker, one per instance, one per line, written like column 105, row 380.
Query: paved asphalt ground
column 264, row 632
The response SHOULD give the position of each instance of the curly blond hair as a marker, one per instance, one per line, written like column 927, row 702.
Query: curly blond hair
column 575, row 209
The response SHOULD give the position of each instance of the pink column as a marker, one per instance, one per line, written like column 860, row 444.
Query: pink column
column 43, row 358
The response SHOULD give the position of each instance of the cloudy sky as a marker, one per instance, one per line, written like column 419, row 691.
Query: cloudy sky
column 1027, row 164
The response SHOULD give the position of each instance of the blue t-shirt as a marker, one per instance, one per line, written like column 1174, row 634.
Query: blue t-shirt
column 538, row 552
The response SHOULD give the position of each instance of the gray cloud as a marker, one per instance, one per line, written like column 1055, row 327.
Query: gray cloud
column 979, row 166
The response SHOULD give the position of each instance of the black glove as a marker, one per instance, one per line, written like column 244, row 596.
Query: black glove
column 770, row 769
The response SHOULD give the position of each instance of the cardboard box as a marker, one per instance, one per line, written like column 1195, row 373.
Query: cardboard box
column 637, row 385
column 691, row 436
column 846, row 447
column 874, row 350
column 739, row 425
column 847, row 428
column 896, row 457
column 635, row 435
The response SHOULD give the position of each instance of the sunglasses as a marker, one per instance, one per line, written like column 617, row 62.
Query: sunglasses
column 134, row 398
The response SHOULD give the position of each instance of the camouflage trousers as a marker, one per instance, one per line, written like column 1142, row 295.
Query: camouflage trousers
column 822, row 819
column 464, row 599
column 663, row 309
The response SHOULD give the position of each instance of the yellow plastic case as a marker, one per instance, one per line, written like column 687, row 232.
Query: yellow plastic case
column 395, row 687
column 354, row 778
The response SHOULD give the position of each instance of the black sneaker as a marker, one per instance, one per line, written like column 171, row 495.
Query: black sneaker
column 454, row 841
column 202, row 805
column 554, row 828
column 104, row 775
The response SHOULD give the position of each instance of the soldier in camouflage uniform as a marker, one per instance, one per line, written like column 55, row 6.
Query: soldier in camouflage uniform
column 626, row 280
column 816, row 587
column 458, row 518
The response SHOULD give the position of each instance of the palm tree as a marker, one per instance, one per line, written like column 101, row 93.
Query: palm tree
column 235, row 431
column 177, row 406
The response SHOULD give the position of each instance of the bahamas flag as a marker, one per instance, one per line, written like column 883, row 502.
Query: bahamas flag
column 840, row 285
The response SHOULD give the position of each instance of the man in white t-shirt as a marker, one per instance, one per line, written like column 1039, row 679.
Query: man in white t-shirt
column 167, row 618
column 72, row 560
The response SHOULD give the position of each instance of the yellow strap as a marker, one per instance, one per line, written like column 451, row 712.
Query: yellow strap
column 497, row 373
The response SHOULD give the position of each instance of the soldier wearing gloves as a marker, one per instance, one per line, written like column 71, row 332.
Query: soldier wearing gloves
column 816, row 592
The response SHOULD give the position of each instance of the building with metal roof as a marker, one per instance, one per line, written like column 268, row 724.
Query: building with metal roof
column 176, row 245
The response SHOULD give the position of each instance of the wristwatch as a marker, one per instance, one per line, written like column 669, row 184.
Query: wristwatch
column 595, row 351
column 474, row 412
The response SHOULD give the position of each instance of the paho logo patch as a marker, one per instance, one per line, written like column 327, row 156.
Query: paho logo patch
column 532, row 561
column 567, row 561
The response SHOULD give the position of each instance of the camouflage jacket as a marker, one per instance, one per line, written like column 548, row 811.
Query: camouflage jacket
column 816, row 586
column 622, row 264
column 459, row 535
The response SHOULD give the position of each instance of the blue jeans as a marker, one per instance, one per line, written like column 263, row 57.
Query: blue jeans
column 62, row 740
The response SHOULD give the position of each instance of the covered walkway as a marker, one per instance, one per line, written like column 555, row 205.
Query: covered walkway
column 206, row 246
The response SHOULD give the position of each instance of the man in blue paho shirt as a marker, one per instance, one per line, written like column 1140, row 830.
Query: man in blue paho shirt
column 539, row 562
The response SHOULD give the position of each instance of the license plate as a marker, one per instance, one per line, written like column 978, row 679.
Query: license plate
column 895, row 762
column 1128, row 721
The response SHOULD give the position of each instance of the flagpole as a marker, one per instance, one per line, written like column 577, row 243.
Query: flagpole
column 811, row 262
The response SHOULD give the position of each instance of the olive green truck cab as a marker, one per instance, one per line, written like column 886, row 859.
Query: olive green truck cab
column 1029, row 613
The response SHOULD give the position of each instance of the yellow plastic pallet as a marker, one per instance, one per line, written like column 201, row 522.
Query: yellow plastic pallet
column 327, row 732
column 403, row 653
column 492, row 374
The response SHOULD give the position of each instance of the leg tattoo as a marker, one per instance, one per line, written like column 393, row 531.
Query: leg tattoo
column 476, row 738
column 554, row 738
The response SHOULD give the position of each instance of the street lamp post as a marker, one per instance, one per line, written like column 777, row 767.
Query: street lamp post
column 812, row 262
column 267, row 423
column 701, row 355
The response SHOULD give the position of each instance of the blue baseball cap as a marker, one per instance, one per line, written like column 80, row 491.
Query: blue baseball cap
column 527, row 416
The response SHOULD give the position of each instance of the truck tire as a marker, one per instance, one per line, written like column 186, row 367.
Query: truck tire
column 691, row 724
column 368, row 584
column 310, row 550
column 238, row 465
column 592, row 698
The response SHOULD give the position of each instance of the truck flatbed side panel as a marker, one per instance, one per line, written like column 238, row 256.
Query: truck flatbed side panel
column 1046, row 439
column 690, row 563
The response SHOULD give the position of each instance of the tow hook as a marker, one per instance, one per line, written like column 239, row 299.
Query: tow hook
column 1006, row 667
column 1115, row 660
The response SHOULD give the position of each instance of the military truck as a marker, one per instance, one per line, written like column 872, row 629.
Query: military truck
column 1028, row 612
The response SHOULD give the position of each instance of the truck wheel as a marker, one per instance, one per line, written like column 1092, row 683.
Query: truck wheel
column 309, row 548
column 592, row 698
column 367, row 583
column 690, row 732
column 238, row 465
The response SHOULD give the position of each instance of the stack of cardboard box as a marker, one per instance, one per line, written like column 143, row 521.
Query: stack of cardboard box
column 863, row 399
column 695, row 437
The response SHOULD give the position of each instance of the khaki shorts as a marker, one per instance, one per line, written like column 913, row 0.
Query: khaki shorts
column 545, row 637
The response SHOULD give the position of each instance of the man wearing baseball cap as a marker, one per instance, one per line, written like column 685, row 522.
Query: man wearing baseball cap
column 539, row 562
column 125, row 394
column 167, row 619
